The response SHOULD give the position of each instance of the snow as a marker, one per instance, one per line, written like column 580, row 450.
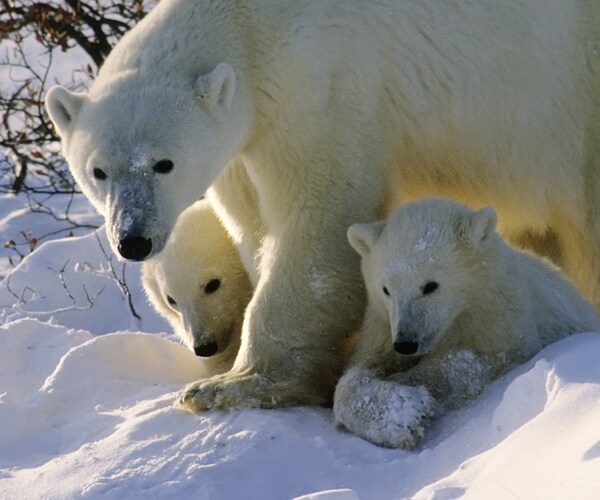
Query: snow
column 421, row 245
column 400, row 266
column 18, row 224
column 87, row 392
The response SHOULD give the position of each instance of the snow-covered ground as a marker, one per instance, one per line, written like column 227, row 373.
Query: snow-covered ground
column 88, row 375
column 86, row 393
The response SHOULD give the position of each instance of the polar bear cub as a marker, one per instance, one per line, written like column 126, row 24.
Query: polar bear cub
column 451, row 307
column 199, row 284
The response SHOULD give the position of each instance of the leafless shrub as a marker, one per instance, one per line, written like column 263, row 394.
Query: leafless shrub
column 36, row 39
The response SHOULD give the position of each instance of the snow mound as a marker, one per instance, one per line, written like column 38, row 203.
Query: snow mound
column 92, row 416
column 543, row 425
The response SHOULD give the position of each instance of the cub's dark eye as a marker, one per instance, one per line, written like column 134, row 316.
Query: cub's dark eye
column 386, row 291
column 171, row 300
column 163, row 167
column 430, row 287
column 99, row 174
column 212, row 286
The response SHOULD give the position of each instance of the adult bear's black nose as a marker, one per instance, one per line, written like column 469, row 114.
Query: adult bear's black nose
column 406, row 348
column 206, row 350
column 135, row 248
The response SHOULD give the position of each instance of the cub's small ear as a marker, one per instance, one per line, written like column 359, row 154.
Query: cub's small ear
column 362, row 237
column 217, row 88
column 478, row 227
column 63, row 107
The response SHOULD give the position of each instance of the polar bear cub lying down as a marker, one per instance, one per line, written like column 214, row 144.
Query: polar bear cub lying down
column 451, row 307
column 199, row 284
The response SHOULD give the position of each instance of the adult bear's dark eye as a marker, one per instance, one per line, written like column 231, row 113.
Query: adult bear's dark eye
column 212, row 286
column 386, row 291
column 99, row 174
column 163, row 167
column 171, row 300
column 430, row 287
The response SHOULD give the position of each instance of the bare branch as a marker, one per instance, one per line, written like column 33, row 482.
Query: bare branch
column 120, row 280
column 54, row 27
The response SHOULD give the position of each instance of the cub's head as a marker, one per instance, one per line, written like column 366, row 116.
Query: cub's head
column 423, row 266
column 142, row 151
column 199, row 284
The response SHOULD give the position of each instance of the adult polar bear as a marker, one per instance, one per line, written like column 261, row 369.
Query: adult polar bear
column 338, row 110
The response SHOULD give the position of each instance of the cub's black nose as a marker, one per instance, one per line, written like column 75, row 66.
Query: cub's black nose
column 406, row 348
column 135, row 248
column 206, row 350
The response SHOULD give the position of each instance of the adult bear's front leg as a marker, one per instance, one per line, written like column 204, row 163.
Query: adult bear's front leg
column 309, row 299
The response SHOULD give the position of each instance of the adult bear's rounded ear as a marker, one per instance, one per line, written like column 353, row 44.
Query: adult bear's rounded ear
column 479, row 226
column 216, row 89
column 63, row 107
column 362, row 237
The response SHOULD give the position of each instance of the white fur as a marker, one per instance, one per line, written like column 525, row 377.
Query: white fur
column 234, row 199
column 390, row 414
column 198, row 251
column 337, row 110
column 494, row 307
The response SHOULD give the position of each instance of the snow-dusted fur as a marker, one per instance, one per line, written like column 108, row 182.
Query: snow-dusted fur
column 198, row 283
column 451, row 307
column 338, row 110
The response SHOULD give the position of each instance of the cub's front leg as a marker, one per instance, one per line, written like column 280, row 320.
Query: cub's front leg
column 372, row 406
column 382, row 411
column 452, row 377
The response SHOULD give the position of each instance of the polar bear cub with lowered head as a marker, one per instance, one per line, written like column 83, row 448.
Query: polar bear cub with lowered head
column 451, row 307
column 199, row 284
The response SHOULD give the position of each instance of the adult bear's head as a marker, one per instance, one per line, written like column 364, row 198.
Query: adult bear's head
column 143, row 151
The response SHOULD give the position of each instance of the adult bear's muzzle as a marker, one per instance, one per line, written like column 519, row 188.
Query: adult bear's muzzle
column 135, row 248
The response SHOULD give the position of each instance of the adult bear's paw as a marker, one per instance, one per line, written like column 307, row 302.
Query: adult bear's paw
column 228, row 390
column 244, row 390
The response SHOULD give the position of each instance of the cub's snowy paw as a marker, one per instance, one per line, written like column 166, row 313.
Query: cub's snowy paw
column 383, row 412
